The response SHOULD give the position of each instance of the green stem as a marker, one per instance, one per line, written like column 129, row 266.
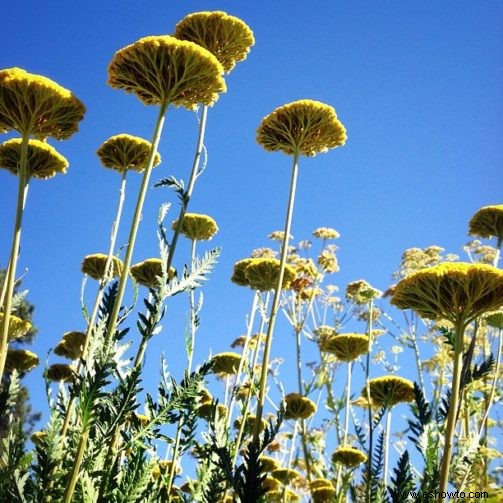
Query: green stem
column 192, row 313
column 369, row 405
column 275, row 303
column 113, row 320
column 190, row 187
column 386, row 446
column 23, row 181
column 453, row 409
column 70, row 488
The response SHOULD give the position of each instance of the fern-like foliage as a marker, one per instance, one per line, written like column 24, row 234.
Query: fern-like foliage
column 177, row 185
column 422, row 417
column 402, row 479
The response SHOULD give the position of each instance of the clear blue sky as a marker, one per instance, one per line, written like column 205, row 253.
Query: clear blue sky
column 418, row 86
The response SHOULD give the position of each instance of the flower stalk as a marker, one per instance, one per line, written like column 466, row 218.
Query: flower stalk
column 276, row 298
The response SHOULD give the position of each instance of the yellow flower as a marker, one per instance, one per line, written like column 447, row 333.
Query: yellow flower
column 163, row 69
column 326, row 233
column 487, row 222
column 323, row 494
column 324, row 332
column 458, row 292
column 281, row 495
column 298, row 406
column 60, row 372
column 238, row 273
column 285, row 475
column 317, row 483
column 149, row 272
column 346, row 347
column 123, row 151
column 263, row 273
column 35, row 105
column 361, row 292
column 94, row 266
column 250, row 423
column 226, row 363
column 278, row 236
column 269, row 464
column 43, row 160
column 305, row 126
column 17, row 327
column 71, row 345
column 389, row 390
column 227, row 37
column 349, row 456
column 270, row 484
column 21, row 360
column 197, row 226
column 328, row 261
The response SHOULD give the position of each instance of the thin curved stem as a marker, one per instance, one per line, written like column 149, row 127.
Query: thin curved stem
column 23, row 181
column 275, row 302
column 386, row 446
column 453, row 409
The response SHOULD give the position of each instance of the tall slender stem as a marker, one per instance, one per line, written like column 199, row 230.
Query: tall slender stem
column 113, row 320
column 190, row 187
column 192, row 313
column 23, row 180
column 453, row 409
column 275, row 302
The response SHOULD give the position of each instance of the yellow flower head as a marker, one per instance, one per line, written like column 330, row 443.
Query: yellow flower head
column 389, row 390
column 238, row 272
column 71, row 345
column 60, row 372
column 270, row 484
column 324, row 332
column 35, row 105
column 197, row 227
column 305, row 126
column 323, row 494
column 269, row 464
column 17, row 327
column 250, row 423
column 361, row 292
column 285, row 475
column 487, row 222
column 226, row 363
column 227, row 37
column 346, row 347
column 458, row 292
column 149, row 272
column 317, row 483
column 43, row 160
column 282, row 495
column 262, row 274
column 21, row 360
column 349, row 456
column 94, row 266
column 328, row 261
column 123, row 151
column 298, row 406
column 163, row 69
column 325, row 233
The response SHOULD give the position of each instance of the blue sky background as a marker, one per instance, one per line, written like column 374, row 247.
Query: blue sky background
column 417, row 85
